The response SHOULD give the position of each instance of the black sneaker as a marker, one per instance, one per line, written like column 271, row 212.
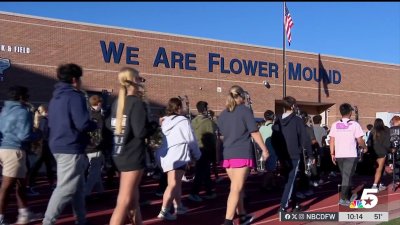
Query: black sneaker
column 299, row 208
column 246, row 219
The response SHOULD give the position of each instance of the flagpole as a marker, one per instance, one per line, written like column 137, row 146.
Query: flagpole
column 284, row 55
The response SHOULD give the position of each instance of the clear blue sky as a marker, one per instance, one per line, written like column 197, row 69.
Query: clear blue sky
column 366, row 30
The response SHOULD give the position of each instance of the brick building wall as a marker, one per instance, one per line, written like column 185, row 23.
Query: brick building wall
column 373, row 87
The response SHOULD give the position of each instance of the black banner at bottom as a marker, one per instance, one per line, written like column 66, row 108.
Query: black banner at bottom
column 309, row 216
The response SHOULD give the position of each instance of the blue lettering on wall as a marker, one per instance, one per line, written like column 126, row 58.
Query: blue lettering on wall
column 261, row 69
column 336, row 77
column 129, row 55
column 187, row 61
column 112, row 51
column 211, row 61
column 308, row 76
column 249, row 66
column 223, row 70
column 317, row 78
column 190, row 58
column 161, row 57
column 273, row 69
column 294, row 74
column 232, row 66
column 176, row 57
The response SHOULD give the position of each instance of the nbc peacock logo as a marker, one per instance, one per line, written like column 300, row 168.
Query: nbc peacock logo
column 368, row 200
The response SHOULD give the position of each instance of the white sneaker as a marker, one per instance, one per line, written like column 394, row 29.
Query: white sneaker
column 29, row 217
column 343, row 202
column 382, row 187
column 185, row 179
column 166, row 216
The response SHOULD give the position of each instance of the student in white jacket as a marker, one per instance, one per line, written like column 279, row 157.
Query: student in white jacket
column 179, row 147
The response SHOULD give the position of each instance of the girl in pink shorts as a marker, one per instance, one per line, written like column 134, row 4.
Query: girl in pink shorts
column 237, row 126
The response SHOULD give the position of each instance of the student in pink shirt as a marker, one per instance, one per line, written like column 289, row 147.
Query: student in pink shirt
column 344, row 136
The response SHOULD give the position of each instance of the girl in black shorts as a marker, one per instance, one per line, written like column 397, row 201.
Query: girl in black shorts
column 379, row 140
column 130, row 124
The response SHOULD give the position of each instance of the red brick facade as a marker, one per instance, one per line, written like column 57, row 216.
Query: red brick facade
column 373, row 87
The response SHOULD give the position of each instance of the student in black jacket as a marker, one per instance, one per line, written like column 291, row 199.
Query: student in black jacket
column 292, row 137
column 131, row 126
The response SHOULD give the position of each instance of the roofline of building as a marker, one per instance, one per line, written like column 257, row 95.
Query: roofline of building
column 183, row 36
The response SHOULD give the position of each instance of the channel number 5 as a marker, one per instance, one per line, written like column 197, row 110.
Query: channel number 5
column 369, row 199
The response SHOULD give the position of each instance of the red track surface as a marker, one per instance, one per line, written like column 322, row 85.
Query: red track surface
column 210, row 212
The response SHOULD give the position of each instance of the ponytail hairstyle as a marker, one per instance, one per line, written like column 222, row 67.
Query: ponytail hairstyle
column 127, row 77
column 235, row 93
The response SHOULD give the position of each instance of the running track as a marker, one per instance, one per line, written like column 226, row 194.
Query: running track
column 210, row 212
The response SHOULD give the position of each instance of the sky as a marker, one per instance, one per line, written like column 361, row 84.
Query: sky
column 359, row 30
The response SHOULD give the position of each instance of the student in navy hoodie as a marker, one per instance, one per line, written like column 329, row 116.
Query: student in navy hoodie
column 15, row 128
column 291, row 133
column 69, row 124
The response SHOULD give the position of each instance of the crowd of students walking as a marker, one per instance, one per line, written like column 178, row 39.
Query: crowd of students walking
column 74, row 134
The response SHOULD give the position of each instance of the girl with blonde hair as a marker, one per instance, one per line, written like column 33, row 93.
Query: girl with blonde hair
column 129, row 122
column 238, row 126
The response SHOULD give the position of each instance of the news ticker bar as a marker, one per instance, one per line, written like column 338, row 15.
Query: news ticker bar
column 335, row 216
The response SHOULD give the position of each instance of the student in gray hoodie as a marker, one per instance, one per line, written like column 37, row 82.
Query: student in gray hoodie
column 15, row 127
column 179, row 147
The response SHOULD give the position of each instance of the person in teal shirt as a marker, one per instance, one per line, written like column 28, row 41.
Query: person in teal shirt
column 269, row 181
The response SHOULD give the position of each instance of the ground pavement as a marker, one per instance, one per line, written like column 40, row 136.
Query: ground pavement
column 262, row 204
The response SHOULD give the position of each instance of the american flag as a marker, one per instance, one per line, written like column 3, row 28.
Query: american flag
column 288, row 24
